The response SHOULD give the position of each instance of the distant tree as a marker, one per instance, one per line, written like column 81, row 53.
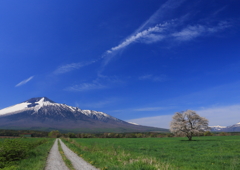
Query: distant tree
column 188, row 123
column 71, row 135
column 208, row 133
column 54, row 134
column 139, row 135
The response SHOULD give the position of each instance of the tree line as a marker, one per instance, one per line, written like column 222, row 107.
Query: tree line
column 57, row 134
column 19, row 133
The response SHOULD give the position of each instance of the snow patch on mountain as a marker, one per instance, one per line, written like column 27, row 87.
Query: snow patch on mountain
column 14, row 108
column 133, row 123
column 216, row 128
column 72, row 108
column 32, row 104
column 98, row 115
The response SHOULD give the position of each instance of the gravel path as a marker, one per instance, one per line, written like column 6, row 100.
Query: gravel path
column 77, row 162
column 54, row 161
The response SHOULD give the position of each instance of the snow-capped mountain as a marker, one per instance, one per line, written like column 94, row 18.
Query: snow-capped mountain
column 44, row 106
column 232, row 128
column 43, row 113
column 217, row 128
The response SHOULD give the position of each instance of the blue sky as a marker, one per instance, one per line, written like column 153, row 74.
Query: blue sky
column 137, row 60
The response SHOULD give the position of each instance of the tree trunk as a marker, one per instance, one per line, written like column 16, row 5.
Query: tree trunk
column 189, row 138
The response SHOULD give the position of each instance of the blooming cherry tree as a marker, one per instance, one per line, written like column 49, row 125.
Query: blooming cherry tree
column 188, row 123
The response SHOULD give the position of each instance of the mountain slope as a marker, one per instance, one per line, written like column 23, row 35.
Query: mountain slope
column 42, row 113
column 232, row 128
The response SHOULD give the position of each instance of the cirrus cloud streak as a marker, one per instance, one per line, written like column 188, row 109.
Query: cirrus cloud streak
column 70, row 67
column 24, row 81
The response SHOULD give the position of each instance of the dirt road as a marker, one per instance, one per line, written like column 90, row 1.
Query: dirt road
column 55, row 161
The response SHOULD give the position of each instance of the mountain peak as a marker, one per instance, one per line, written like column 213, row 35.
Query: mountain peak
column 37, row 99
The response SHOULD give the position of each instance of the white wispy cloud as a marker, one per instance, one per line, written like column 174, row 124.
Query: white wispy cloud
column 194, row 31
column 151, row 38
column 67, row 68
column 153, row 78
column 146, row 36
column 189, row 33
column 70, row 67
column 86, row 87
column 218, row 115
column 24, row 81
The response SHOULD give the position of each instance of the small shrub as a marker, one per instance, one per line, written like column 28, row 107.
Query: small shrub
column 12, row 150
column 208, row 133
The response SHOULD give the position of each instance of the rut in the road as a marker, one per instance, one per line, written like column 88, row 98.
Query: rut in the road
column 77, row 162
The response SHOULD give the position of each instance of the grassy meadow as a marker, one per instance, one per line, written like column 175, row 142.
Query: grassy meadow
column 210, row 153
column 24, row 153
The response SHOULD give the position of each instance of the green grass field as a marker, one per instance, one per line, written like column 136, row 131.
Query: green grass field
column 210, row 153
column 24, row 153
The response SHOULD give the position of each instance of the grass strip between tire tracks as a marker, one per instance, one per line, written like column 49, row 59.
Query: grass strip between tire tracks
column 65, row 159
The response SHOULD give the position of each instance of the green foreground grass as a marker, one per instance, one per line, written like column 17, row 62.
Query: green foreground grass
column 24, row 154
column 210, row 153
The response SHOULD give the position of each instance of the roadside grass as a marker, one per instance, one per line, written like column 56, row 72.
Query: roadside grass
column 65, row 159
column 210, row 153
column 34, row 153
